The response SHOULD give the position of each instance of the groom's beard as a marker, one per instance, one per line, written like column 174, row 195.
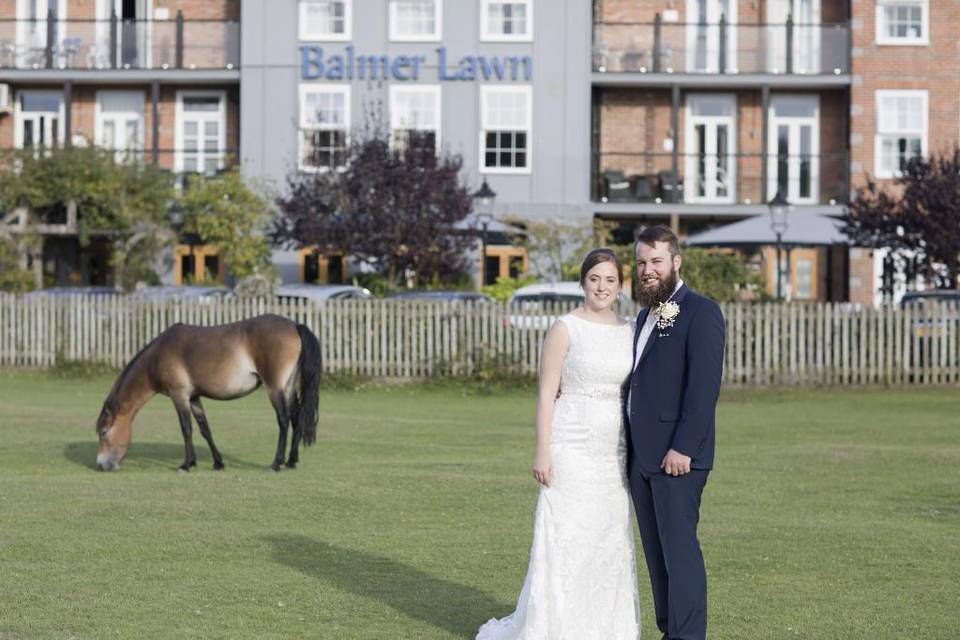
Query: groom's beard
column 660, row 293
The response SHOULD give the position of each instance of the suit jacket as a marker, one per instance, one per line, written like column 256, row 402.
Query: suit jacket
column 673, row 390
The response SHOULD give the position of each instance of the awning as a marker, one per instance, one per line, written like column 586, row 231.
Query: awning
column 470, row 223
column 804, row 228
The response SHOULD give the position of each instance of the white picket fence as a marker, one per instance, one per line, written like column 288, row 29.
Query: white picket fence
column 768, row 344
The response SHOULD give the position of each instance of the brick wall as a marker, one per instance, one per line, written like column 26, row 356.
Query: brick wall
column 933, row 67
column 861, row 276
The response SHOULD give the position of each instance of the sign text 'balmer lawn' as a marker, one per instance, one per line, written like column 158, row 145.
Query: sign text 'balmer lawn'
column 350, row 66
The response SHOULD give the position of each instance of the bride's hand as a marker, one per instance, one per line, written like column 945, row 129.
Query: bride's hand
column 543, row 468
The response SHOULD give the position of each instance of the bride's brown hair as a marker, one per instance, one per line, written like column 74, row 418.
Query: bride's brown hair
column 597, row 256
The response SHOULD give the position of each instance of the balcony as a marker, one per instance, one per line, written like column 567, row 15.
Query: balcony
column 711, row 180
column 721, row 48
column 179, row 44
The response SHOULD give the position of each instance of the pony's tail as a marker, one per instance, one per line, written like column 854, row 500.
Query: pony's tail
column 310, row 367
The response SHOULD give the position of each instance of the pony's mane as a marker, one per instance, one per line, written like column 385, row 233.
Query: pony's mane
column 111, row 401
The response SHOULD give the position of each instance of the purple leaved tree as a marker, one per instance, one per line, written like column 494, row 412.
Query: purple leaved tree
column 395, row 209
column 918, row 220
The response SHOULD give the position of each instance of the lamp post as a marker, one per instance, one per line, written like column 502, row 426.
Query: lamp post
column 483, row 204
column 779, row 211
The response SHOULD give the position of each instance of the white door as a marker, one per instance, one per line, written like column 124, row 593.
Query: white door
column 201, row 137
column 710, row 166
column 39, row 118
column 119, row 123
column 32, row 18
column 134, row 31
column 806, row 35
column 703, row 35
column 793, row 148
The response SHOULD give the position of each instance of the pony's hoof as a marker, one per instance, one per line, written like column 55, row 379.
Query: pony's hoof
column 218, row 466
column 291, row 465
column 183, row 469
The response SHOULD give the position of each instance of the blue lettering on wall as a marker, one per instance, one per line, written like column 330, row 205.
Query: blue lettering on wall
column 315, row 66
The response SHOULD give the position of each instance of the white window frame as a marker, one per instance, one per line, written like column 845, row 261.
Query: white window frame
column 325, row 36
column 316, row 87
column 18, row 116
column 98, row 120
column 487, row 36
column 877, row 146
column 485, row 92
column 690, row 163
column 436, row 36
column 178, row 155
column 881, row 23
column 432, row 90
column 772, row 145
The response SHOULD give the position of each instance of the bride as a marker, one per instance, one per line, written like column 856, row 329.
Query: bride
column 581, row 582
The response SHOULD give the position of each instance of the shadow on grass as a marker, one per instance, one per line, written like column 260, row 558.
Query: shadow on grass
column 447, row 605
column 144, row 455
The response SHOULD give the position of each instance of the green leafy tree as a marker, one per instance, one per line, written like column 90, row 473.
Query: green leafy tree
column 12, row 277
column 225, row 212
column 127, row 202
column 556, row 249
column 719, row 276
column 504, row 288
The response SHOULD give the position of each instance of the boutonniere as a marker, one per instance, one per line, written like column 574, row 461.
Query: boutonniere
column 667, row 313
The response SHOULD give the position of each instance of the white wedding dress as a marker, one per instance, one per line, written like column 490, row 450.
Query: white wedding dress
column 581, row 582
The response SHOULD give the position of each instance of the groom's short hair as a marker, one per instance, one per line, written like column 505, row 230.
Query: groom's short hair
column 650, row 236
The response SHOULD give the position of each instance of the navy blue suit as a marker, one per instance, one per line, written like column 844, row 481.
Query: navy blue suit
column 673, row 397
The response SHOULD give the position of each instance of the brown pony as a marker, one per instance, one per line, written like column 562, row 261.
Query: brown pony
column 186, row 363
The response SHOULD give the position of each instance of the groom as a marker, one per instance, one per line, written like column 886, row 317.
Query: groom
column 670, row 407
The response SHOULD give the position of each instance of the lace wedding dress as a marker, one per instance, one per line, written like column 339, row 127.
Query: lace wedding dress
column 581, row 582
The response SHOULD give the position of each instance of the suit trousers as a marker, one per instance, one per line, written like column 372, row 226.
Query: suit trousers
column 668, row 511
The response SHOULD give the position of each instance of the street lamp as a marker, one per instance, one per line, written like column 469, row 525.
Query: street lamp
column 483, row 204
column 779, row 211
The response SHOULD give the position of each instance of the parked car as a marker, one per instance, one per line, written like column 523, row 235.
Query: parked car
column 537, row 306
column 61, row 292
column 185, row 292
column 444, row 296
column 321, row 293
column 922, row 301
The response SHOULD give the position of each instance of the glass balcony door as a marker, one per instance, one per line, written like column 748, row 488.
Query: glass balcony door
column 710, row 167
column 119, row 124
column 793, row 148
column 201, row 132
column 39, row 118
column 806, row 35
column 32, row 18
column 133, row 33
column 703, row 35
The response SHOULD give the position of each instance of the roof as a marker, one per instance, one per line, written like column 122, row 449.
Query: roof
column 805, row 228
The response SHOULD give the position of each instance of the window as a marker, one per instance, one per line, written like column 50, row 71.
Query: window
column 39, row 119
column 119, row 123
column 804, row 275
column 416, row 20
column 324, row 123
column 901, row 130
column 505, row 121
column 201, row 132
column 506, row 21
column 903, row 22
column 325, row 19
column 415, row 117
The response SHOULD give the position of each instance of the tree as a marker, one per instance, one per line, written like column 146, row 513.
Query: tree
column 395, row 210
column 12, row 277
column 719, row 276
column 557, row 249
column 917, row 222
column 225, row 212
column 127, row 202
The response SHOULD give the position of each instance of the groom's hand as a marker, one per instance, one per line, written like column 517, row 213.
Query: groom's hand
column 675, row 463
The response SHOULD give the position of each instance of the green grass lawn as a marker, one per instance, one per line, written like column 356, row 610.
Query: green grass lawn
column 829, row 515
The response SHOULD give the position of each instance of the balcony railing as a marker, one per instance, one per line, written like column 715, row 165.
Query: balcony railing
column 721, row 179
column 119, row 44
column 721, row 48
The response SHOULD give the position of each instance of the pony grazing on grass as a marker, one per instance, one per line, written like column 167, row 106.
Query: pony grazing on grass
column 225, row 362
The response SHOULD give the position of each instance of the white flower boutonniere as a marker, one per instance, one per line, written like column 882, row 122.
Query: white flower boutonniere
column 667, row 313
